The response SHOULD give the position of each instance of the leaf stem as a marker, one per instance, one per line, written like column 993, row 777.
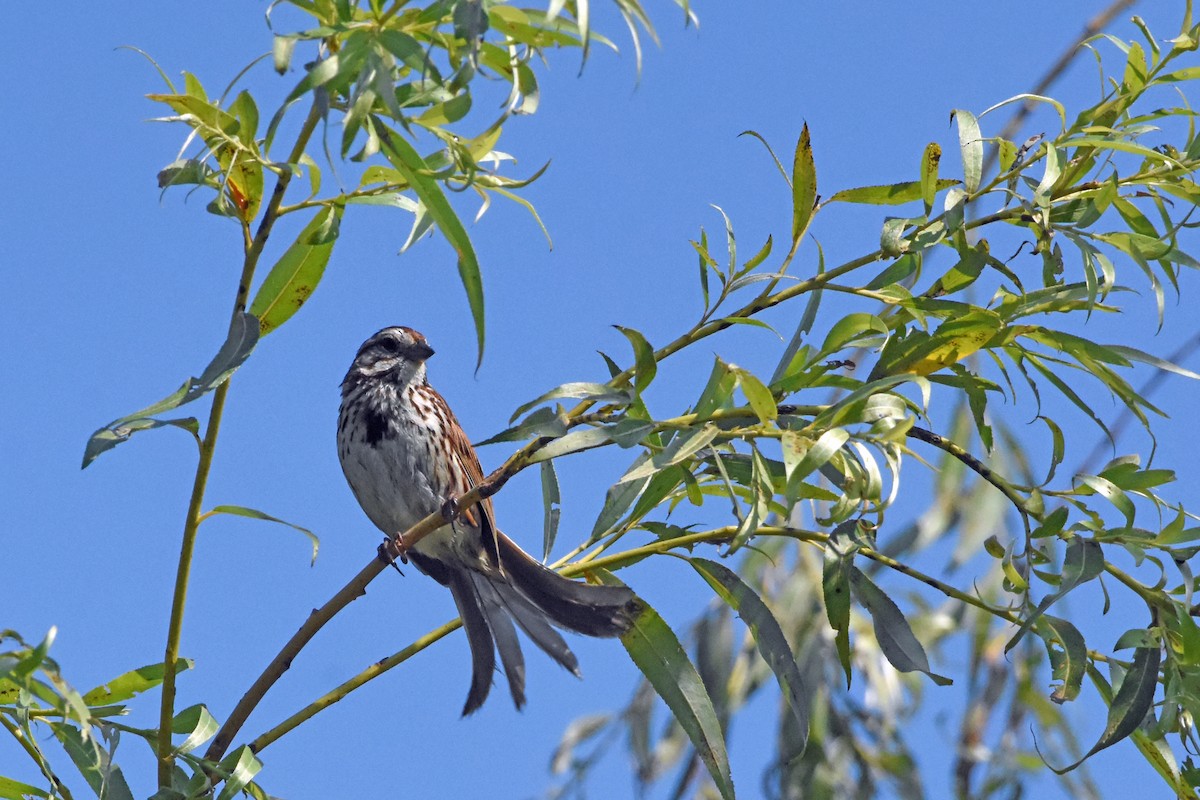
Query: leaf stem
column 253, row 250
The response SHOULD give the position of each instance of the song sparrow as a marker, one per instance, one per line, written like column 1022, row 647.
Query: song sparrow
column 405, row 455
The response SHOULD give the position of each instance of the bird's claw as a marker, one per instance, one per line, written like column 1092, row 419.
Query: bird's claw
column 390, row 549
column 450, row 509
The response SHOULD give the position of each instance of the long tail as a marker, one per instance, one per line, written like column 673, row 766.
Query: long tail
column 534, row 597
column 580, row 607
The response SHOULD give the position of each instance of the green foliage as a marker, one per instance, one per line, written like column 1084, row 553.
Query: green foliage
column 804, row 466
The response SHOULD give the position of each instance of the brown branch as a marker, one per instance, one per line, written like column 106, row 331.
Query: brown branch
column 972, row 463
column 355, row 589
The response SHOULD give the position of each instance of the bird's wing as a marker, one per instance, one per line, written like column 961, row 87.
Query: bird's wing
column 464, row 453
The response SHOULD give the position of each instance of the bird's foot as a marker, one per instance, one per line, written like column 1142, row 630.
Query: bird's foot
column 450, row 509
column 391, row 549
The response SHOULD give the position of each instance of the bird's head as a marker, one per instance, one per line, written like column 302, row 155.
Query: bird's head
column 396, row 353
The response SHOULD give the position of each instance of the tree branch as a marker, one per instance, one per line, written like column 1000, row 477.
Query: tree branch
column 164, row 747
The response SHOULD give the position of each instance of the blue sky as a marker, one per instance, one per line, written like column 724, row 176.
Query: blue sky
column 115, row 295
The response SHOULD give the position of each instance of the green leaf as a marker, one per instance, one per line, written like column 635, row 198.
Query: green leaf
column 576, row 440
column 1045, row 190
column 768, row 638
column 835, row 588
column 408, row 161
column 1084, row 561
column 593, row 392
column 1070, row 663
column 716, row 392
column 893, row 194
column 617, row 500
column 1133, row 700
column 762, row 490
column 970, row 143
column 242, row 511
column 1037, row 98
column 93, row 762
column 551, row 498
column 241, row 766
column 896, row 639
column 844, row 409
column 281, row 52
column 757, row 394
column 656, row 651
column 196, row 724
column 920, row 353
column 15, row 790
column 1133, row 354
column 543, row 422
column 816, row 456
column 645, row 367
column 295, row 276
column 929, row 174
column 685, row 445
column 1110, row 492
column 131, row 683
column 243, row 336
column 851, row 328
column 804, row 186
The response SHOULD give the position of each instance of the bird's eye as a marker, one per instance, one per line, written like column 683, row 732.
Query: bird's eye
column 389, row 346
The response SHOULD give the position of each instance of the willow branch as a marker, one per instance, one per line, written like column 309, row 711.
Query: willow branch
column 397, row 547
column 370, row 673
column 972, row 463
column 356, row 588
column 165, row 750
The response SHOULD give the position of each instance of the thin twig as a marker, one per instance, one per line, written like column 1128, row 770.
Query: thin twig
column 972, row 463
column 1094, row 26
column 356, row 588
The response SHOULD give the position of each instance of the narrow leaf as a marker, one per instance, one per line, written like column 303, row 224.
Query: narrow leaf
column 196, row 724
column 419, row 176
column 240, row 342
column 551, row 498
column 970, row 143
column 252, row 513
column 296, row 274
column 1083, row 562
column 656, row 651
column 768, row 638
column 131, row 683
column 893, row 194
column 896, row 639
column 1068, row 664
column 804, row 186
column 929, row 174
column 645, row 367
column 595, row 392
column 1133, row 700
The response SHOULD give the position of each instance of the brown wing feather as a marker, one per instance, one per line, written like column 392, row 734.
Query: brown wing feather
column 463, row 452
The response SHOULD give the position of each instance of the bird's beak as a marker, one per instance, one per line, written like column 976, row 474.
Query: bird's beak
column 423, row 351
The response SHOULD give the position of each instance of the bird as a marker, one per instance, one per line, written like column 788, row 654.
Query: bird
column 405, row 456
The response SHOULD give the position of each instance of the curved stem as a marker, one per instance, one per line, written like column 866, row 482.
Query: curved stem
column 370, row 673
column 253, row 250
column 972, row 463
column 36, row 755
